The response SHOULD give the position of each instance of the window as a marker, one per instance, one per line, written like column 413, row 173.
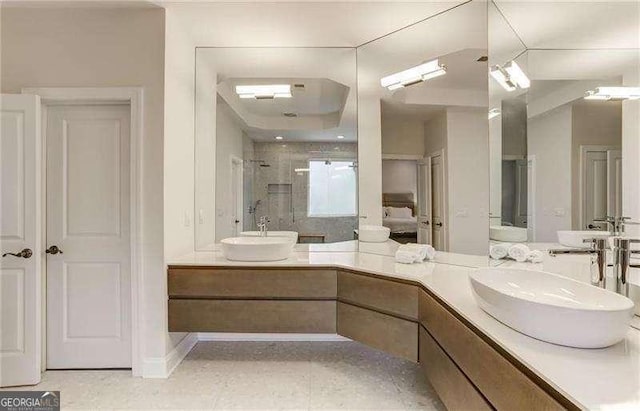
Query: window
column 332, row 188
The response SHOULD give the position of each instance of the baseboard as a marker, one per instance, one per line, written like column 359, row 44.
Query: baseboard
column 269, row 337
column 162, row 367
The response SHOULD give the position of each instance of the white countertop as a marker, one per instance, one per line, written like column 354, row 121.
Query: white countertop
column 598, row 379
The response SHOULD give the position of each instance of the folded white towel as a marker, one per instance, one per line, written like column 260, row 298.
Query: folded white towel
column 535, row 256
column 499, row 251
column 519, row 252
column 425, row 251
column 407, row 257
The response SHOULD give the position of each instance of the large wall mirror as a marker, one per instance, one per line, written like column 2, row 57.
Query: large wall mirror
column 564, row 124
column 276, row 139
column 424, row 89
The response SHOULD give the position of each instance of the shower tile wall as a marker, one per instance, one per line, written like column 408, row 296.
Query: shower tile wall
column 281, row 193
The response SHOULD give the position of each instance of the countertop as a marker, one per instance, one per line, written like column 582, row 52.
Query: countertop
column 597, row 379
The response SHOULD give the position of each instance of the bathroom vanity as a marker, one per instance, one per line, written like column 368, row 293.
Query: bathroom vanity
column 424, row 313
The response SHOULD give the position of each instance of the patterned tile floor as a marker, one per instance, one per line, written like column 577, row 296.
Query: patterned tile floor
column 258, row 376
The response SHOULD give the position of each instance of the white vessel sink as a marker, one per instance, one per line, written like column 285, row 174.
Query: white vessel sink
column 508, row 234
column 257, row 248
column 289, row 234
column 552, row 308
column 373, row 233
column 575, row 239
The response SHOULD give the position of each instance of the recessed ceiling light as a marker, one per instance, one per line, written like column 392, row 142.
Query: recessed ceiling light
column 279, row 137
column 340, row 137
column 266, row 91
column 414, row 75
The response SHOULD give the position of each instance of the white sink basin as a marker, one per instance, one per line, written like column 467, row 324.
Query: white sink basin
column 508, row 234
column 257, row 248
column 575, row 239
column 373, row 233
column 552, row 308
column 289, row 234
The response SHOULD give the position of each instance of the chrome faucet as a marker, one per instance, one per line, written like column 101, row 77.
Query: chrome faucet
column 262, row 226
column 622, row 262
column 616, row 224
column 598, row 250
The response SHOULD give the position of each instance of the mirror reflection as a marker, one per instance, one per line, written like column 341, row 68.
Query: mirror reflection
column 561, row 120
column 429, row 86
column 276, row 144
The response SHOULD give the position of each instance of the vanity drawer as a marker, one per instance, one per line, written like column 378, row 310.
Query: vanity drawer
column 388, row 296
column 452, row 386
column 252, row 316
column 504, row 385
column 252, row 283
column 384, row 332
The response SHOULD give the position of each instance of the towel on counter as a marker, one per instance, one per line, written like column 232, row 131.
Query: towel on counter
column 414, row 253
column 519, row 252
column 535, row 256
column 499, row 251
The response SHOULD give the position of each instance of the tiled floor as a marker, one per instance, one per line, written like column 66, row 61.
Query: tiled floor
column 258, row 375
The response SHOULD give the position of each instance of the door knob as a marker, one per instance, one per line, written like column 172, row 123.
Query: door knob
column 53, row 250
column 439, row 224
column 26, row 253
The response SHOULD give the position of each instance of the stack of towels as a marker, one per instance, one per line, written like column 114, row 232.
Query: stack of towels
column 518, row 252
column 414, row 253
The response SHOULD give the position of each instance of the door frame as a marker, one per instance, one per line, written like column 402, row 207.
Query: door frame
column 445, row 192
column 584, row 149
column 236, row 161
column 134, row 96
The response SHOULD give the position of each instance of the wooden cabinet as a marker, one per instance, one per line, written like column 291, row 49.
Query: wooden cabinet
column 208, row 282
column 504, row 385
column 384, row 332
column 392, row 297
column 252, row 316
column 452, row 386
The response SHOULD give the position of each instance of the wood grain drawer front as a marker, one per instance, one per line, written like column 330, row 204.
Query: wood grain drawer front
column 252, row 283
column 505, row 386
column 384, row 332
column 384, row 295
column 252, row 316
column 453, row 388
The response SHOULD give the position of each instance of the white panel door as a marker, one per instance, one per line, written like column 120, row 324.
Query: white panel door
column 88, row 284
column 20, row 229
column 424, row 201
column 437, row 203
column 614, row 182
column 595, row 190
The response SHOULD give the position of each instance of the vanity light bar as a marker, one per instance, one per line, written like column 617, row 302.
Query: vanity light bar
column 494, row 112
column 414, row 75
column 510, row 77
column 613, row 93
column 268, row 91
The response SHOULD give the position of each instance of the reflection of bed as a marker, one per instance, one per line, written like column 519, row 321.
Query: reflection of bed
column 401, row 226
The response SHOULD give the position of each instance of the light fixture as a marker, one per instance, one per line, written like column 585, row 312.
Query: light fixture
column 340, row 137
column 301, row 170
column 266, row 91
column 494, row 112
column 279, row 137
column 510, row 76
column 613, row 93
column 414, row 75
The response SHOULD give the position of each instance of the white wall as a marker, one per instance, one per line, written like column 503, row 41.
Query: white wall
column 549, row 141
column 400, row 176
column 435, row 133
column 104, row 48
column 402, row 135
column 229, row 139
column 468, row 180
